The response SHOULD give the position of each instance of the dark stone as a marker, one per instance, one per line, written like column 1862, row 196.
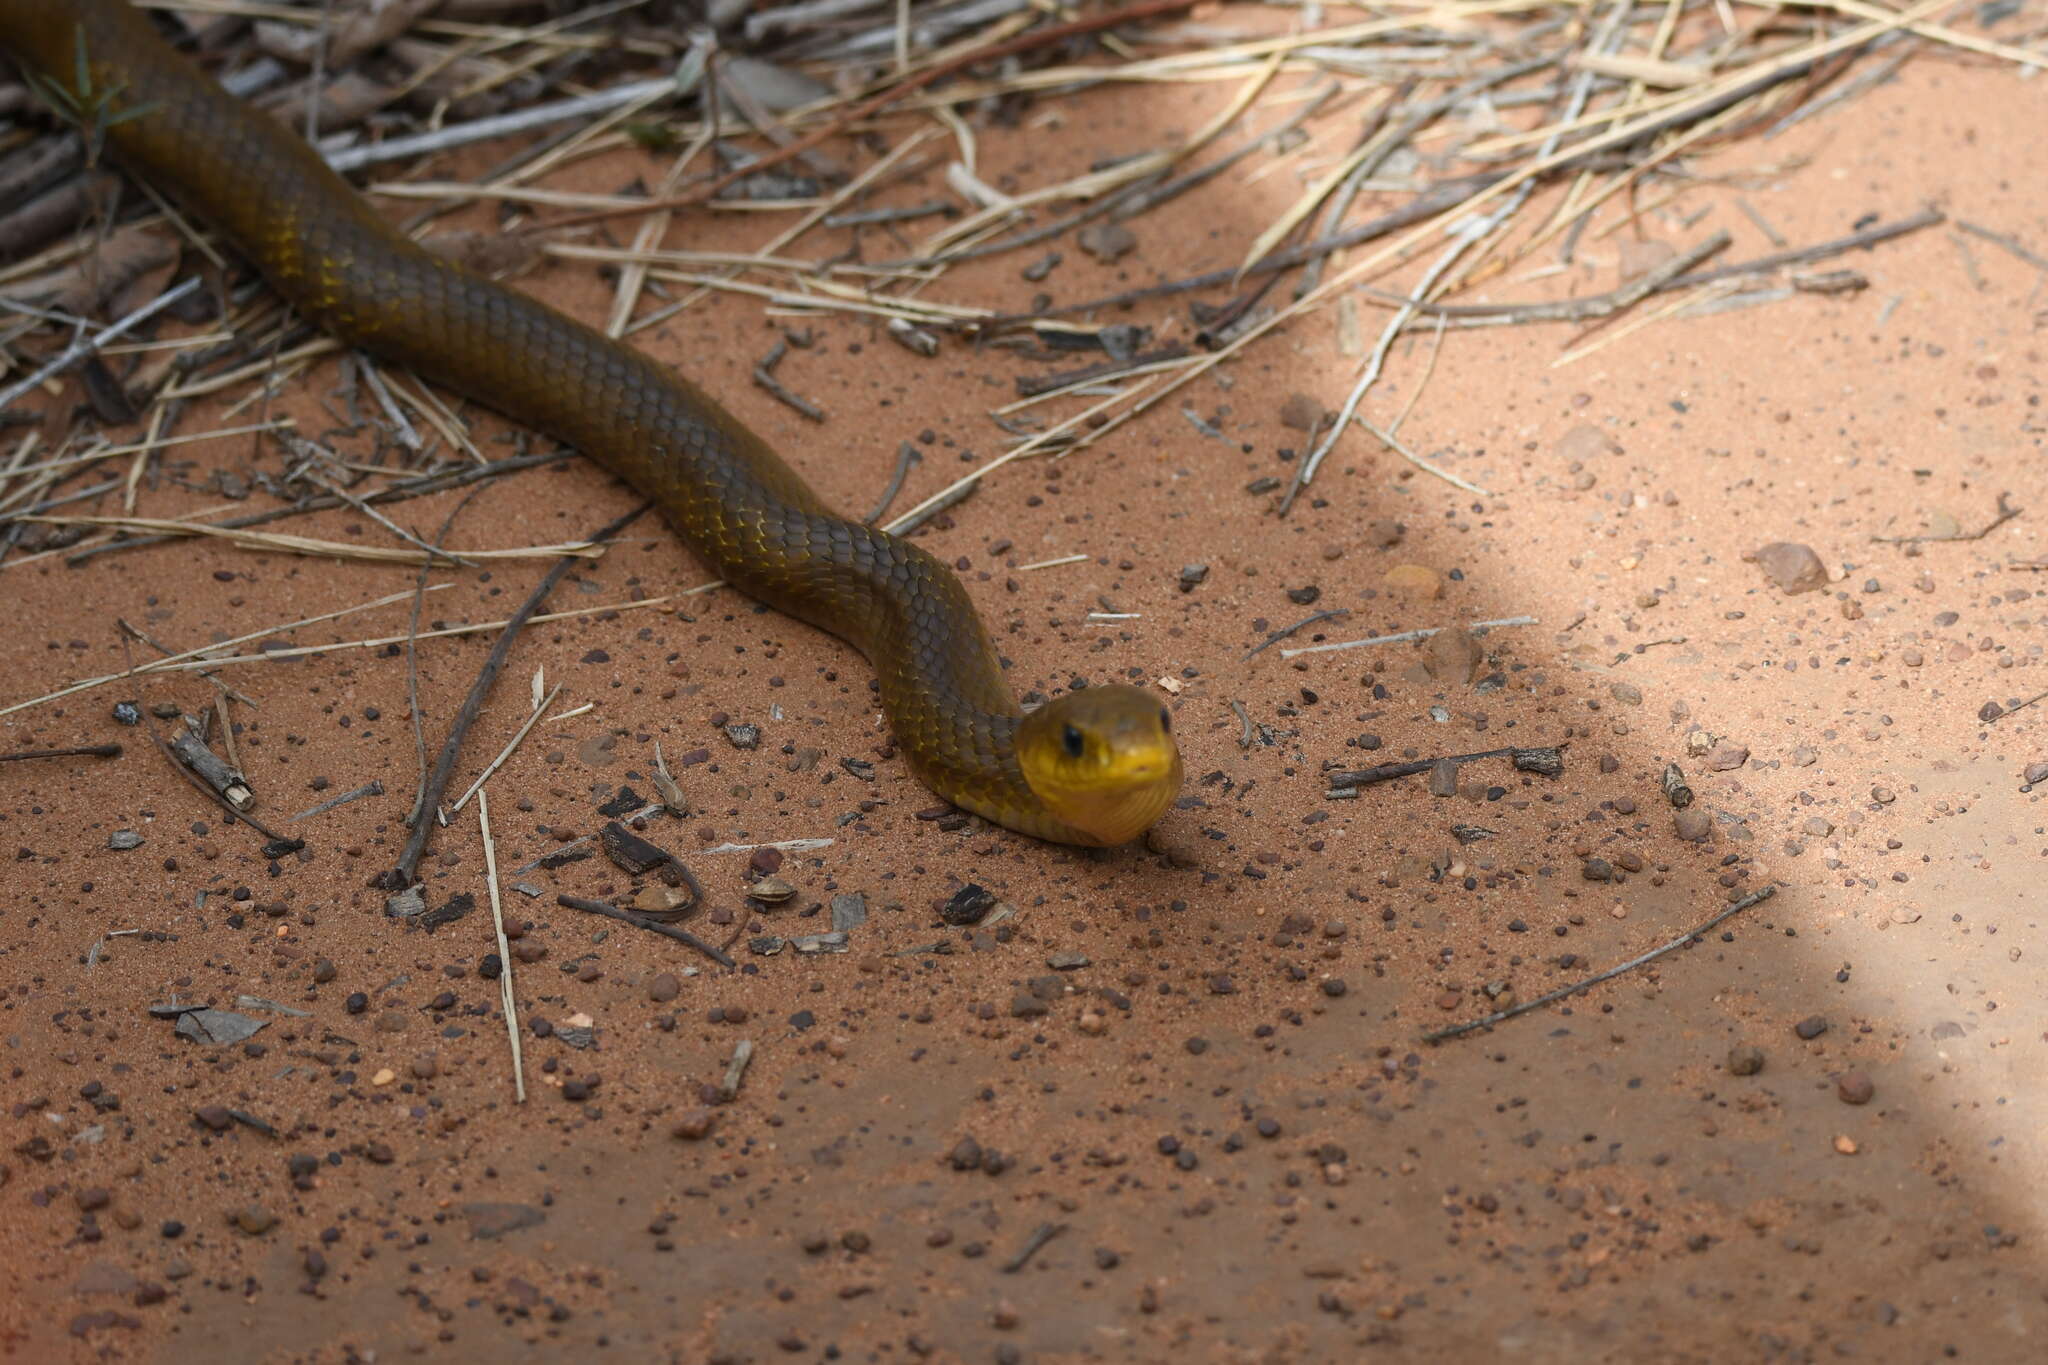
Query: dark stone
column 968, row 905
column 457, row 906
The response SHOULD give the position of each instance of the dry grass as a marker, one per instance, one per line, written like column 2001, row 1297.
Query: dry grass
column 1560, row 116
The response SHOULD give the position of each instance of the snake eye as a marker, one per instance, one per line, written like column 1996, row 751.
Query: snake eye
column 1165, row 720
column 1071, row 738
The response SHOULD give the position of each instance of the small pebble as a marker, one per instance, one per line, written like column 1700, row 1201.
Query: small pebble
column 1792, row 568
column 1301, row 413
column 1414, row 580
column 1724, row 758
column 1107, row 241
column 1584, row 442
column 255, row 1220
column 1693, row 825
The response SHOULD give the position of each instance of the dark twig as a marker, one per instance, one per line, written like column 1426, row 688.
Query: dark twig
column 906, row 456
column 1304, row 467
column 2038, row 696
column 1580, row 309
column 371, row 788
column 2006, row 512
column 877, row 217
column 764, row 375
column 222, row 776
column 278, row 846
column 1244, row 720
column 1287, row 631
column 905, row 526
column 412, row 662
column 639, row 921
column 89, row 345
column 1756, row 897
column 2009, row 243
column 1031, row 386
column 1883, row 232
column 1033, row 1244
column 803, row 407
column 1548, row 760
column 1670, row 277
column 78, row 751
column 404, row 874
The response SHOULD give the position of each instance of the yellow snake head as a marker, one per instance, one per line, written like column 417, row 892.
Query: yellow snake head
column 1102, row 759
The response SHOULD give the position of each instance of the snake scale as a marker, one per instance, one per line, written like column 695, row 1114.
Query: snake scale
column 1096, row 765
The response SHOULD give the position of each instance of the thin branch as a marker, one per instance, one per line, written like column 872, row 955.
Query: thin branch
column 279, row 844
column 1883, row 232
column 511, row 1005
column 519, row 120
column 90, row 345
column 77, row 751
column 405, row 873
column 1401, row 637
column 1580, row 309
column 2006, row 512
column 906, row 456
column 2011, row 244
column 1285, row 631
column 684, row 936
column 1756, row 897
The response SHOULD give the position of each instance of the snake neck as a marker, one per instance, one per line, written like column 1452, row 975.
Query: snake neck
column 333, row 257
column 937, row 677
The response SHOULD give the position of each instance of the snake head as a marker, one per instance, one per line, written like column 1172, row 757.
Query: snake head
column 1102, row 759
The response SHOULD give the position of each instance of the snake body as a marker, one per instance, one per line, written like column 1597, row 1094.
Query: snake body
column 1095, row 766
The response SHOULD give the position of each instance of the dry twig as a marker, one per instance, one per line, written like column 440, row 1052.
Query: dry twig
column 1756, row 897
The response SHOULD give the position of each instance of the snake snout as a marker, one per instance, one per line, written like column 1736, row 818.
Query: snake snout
column 1147, row 767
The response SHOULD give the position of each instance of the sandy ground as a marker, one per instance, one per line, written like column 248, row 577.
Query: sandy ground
column 1202, row 1070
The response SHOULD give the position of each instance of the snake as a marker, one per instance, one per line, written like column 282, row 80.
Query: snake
column 1094, row 765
